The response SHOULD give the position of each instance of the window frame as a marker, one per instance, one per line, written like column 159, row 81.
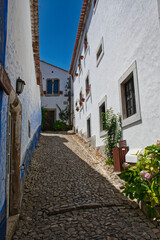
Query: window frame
column 53, row 94
column 98, row 60
column 132, row 70
column 103, row 101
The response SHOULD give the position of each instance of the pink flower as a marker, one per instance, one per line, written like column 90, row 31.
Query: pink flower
column 148, row 176
column 143, row 173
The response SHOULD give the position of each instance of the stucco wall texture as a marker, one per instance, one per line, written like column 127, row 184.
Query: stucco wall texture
column 3, row 108
column 131, row 32
column 3, row 140
column 20, row 63
column 53, row 72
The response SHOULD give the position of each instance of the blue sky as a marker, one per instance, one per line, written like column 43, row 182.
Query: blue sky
column 59, row 21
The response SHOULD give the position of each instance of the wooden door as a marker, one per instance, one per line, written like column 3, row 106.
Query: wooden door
column 50, row 119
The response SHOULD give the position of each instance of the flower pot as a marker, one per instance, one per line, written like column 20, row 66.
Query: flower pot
column 83, row 99
column 77, row 109
column 81, row 57
column 76, row 74
column 86, row 43
column 80, row 103
column 79, row 65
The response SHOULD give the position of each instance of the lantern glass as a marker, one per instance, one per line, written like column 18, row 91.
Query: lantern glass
column 19, row 86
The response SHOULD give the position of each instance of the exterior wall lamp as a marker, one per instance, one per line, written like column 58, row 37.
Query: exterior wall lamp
column 19, row 86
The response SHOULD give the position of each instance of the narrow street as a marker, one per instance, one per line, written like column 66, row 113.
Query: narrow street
column 70, row 194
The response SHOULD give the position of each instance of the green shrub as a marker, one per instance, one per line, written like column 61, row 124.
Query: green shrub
column 112, row 125
column 142, row 181
column 61, row 126
column 63, row 114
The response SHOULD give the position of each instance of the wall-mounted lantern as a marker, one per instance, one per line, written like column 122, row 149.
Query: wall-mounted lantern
column 19, row 86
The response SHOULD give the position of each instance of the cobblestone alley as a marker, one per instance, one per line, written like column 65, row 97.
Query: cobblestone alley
column 71, row 194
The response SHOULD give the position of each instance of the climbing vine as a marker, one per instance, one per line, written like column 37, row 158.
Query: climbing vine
column 112, row 125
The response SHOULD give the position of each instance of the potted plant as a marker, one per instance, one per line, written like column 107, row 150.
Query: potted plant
column 81, row 57
column 76, row 74
column 77, row 109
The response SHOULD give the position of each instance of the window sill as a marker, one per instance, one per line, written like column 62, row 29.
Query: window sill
column 131, row 120
column 103, row 134
column 53, row 95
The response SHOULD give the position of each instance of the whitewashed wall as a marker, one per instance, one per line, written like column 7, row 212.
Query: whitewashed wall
column 52, row 72
column 20, row 63
column 131, row 32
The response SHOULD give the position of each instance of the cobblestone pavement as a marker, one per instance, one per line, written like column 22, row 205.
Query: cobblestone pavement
column 71, row 194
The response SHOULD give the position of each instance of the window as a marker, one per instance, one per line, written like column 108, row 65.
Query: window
column 53, row 86
column 80, row 65
column 81, row 99
column 100, row 52
column 85, row 43
column 102, row 109
column 88, row 86
column 95, row 2
column 89, row 127
column 129, row 96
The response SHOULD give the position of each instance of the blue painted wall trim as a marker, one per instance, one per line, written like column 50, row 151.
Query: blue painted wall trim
column 3, row 37
column 3, row 222
column 3, row 29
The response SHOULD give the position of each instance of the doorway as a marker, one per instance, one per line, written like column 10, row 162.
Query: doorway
column 49, row 119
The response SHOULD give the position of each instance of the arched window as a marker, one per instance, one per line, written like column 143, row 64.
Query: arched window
column 53, row 86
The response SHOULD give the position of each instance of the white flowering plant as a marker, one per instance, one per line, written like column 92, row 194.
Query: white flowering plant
column 142, row 181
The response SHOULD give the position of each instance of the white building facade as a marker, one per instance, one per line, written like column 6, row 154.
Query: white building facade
column 56, row 90
column 116, row 63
